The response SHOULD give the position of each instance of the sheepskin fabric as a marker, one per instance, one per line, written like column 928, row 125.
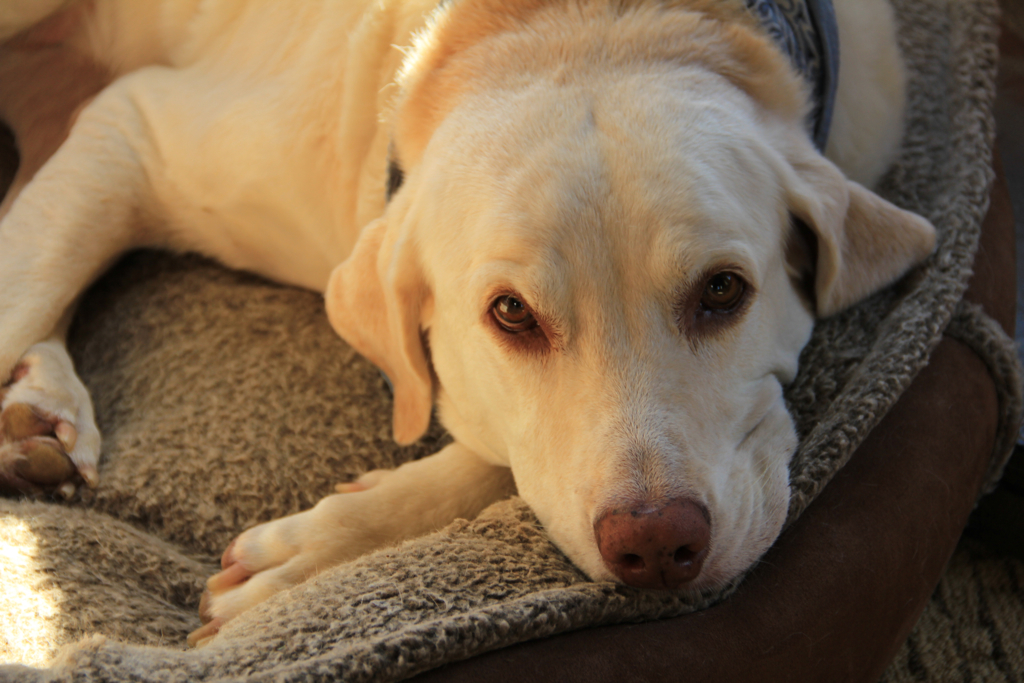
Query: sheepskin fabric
column 226, row 401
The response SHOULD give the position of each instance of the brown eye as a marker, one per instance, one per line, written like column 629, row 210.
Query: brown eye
column 512, row 314
column 722, row 292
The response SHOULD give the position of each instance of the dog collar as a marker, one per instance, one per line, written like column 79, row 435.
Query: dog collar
column 807, row 32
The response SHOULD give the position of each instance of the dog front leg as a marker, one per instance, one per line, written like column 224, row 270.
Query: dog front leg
column 75, row 216
column 412, row 500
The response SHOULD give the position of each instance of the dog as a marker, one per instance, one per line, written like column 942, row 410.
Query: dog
column 594, row 234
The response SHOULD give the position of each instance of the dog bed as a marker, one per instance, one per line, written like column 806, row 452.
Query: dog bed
column 225, row 401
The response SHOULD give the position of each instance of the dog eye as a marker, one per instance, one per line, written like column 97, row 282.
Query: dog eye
column 512, row 314
column 722, row 292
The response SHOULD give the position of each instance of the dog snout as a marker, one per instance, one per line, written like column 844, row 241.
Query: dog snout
column 655, row 548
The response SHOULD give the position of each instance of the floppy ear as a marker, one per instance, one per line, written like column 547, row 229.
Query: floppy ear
column 374, row 301
column 863, row 242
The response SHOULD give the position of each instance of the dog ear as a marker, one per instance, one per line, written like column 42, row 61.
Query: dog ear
column 863, row 243
column 374, row 300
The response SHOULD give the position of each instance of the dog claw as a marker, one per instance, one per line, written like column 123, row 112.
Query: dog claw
column 67, row 435
column 227, row 578
column 90, row 475
column 227, row 558
column 202, row 635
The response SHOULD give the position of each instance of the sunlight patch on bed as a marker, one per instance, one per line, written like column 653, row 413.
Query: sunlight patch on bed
column 29, row 598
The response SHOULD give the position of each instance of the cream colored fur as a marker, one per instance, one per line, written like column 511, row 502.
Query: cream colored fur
column 599, row 166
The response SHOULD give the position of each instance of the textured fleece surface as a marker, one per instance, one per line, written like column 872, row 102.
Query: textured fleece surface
column 225, row 401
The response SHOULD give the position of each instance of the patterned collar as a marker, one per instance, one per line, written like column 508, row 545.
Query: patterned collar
column 806, row 30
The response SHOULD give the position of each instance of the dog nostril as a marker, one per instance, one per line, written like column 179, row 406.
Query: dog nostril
column 687, row 554
column 632, row 562
column 684, row 555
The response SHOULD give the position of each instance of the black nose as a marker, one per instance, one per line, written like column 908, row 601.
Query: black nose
column 660, row 548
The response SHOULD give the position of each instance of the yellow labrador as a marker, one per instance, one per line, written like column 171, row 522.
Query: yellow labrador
column 594, row 233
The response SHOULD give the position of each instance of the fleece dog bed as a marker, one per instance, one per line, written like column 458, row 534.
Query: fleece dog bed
column 225, row 401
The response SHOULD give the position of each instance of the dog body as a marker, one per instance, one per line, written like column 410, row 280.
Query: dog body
column 588, row 259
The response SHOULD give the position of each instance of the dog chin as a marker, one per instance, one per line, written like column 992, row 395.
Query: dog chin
column 727, row 565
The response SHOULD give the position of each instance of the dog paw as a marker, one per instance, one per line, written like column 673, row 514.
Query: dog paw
column 277, row 555
column 262, row 561
column 49, row 442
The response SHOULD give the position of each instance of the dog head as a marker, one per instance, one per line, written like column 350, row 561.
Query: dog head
column 614, row 248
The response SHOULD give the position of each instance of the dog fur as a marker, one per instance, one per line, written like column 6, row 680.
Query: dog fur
column 602, row 162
